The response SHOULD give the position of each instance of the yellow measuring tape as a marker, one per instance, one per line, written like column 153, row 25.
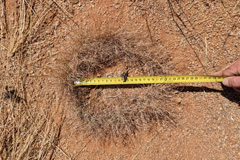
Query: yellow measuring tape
column 147, row 80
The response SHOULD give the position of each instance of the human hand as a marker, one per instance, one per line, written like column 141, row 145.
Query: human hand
column 233, row 75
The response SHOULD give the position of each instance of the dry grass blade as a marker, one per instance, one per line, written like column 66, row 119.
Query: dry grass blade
column 26, row 23
column 174, row 14
column 65, row 12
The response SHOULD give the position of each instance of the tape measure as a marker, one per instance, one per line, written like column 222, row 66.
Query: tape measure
column 147, row 80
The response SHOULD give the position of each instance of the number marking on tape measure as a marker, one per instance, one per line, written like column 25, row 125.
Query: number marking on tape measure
column 147, row 80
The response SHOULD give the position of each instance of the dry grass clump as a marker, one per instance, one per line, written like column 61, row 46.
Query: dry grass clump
column 109, row 112
column 25, row 131
column 28, row 128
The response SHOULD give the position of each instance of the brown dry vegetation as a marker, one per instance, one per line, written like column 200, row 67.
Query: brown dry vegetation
column 46, row 45
column 28, row 129
column 109, row 112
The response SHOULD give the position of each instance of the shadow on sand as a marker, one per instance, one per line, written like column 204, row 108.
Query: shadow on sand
column 227, row 92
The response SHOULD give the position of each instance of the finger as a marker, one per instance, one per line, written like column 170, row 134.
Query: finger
column 233, row 82
column 233, row 70
column 237, row 89
column 219, row 73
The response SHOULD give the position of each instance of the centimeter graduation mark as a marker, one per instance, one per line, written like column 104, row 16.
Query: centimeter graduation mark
column 147, row 80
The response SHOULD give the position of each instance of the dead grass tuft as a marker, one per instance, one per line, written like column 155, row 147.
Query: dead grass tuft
column 111, row 112
column 26, row 132
column 28, row 126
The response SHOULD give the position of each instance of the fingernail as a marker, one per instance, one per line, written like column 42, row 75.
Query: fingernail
column 225, row 82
